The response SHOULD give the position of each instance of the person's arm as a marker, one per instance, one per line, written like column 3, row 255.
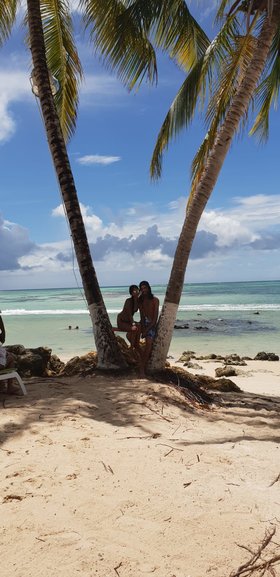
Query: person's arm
column 3, row 332
column 142, row 319
column 155, row 312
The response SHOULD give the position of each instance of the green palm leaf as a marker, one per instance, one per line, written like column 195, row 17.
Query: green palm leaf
column 172, row 27
column 62, row 59
column 192, row 91
column 179, row 115
column 120, row 40
column 7, row 18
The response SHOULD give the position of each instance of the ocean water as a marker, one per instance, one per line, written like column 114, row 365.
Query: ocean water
column 221, row 318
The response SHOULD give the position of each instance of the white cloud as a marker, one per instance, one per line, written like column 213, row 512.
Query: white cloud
column 14, row 87
column 259, row 209
column 227, row 228
column 142, row 239
column 100, row 90
column 90, row 159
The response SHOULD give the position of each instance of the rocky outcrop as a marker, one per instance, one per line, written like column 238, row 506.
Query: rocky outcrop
column 266, row 357
column 233, row 359
column 38, row 362
column 226, row 371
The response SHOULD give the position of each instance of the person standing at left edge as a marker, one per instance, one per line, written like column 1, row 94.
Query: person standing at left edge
column 6, row 359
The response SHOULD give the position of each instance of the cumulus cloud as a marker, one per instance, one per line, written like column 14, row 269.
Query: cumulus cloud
column 142, row 239
column 15, row 243
column 260, row 209
column 141, row 244
column 101, row 90
column 97, row 159
column 14, row 87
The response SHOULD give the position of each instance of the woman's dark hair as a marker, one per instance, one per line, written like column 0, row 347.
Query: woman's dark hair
column 150, row 294
column 131, row 289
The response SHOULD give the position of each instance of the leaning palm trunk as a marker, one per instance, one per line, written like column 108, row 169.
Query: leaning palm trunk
column 109, row 355
column 205, row 187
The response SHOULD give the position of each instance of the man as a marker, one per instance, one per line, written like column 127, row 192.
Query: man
column 149, row 307
column 6, row 359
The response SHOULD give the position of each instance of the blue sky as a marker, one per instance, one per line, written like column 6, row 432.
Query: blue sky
column 132, row 223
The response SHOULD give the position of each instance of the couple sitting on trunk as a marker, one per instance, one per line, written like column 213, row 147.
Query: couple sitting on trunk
column 141, row 299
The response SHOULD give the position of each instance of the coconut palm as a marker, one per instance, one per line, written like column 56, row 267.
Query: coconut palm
column 120, row 32
column 252, row 57
column 107, row 348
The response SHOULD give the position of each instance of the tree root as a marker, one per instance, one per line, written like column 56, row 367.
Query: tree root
column 257, row 564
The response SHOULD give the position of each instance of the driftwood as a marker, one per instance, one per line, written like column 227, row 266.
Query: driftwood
column 257, row 565
column 187, row 384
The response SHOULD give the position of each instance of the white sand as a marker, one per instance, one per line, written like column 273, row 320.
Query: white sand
column 114, row 477
column 261, row 377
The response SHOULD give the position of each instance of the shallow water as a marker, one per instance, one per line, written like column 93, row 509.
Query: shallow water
column 242, row 318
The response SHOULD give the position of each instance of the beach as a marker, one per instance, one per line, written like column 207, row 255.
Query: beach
column 122, row 477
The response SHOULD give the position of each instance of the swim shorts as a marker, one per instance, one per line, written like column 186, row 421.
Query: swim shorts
column 152, row 331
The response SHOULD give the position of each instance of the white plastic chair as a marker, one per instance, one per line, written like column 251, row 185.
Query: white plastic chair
column 12, row 374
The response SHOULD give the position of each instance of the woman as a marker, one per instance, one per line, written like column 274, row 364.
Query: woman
column 125, row 320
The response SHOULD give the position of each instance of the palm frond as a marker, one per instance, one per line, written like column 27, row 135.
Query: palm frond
column 179, row 116
column 232, row 74
column 121, row 40
column 267, row 93
column 192, row 91
column 172, row 27
column 63, row 61
column 199, row 162
column 8, row 10
column 221, row 10
column 232, row 71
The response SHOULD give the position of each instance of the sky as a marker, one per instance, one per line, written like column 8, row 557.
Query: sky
column 132, row 222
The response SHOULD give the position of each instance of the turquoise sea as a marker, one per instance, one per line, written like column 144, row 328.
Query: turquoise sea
column 240, row 317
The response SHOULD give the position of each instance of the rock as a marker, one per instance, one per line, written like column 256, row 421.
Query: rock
column 16, row 349
column 55, row 365
column 84, row 365
column 37, row 362
column 30, row 364
column 225, row 372
column 262, row 356
column 226, row 386
column 185, row 357
column 192, row 365
column 234, row 360
column 205, row 381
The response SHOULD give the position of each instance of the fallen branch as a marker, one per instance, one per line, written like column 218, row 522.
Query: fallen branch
column 275, row 480
column 255, row 565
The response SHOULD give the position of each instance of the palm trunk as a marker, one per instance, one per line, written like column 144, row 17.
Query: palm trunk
column 109, row 354
column 205, row 187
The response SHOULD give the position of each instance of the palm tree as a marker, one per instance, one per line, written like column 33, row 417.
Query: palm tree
column 120, row 32
column 107, row 347
column 228, row 109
